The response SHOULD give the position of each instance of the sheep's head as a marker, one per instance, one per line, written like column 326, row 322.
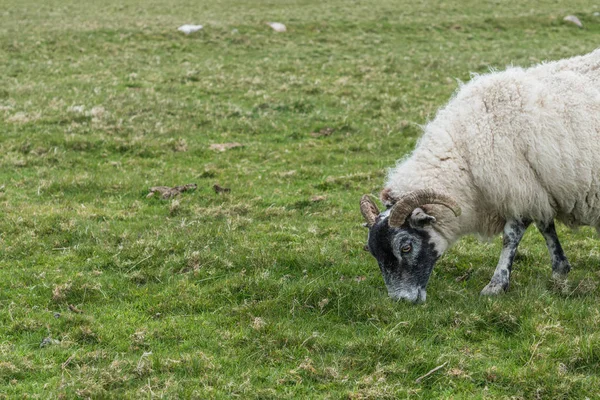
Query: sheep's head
column 404, row 242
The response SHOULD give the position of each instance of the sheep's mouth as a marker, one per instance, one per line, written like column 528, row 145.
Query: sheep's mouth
column 414, row 295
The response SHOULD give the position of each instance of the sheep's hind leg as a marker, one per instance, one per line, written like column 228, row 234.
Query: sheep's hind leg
column 513, row 233
column 560, row 264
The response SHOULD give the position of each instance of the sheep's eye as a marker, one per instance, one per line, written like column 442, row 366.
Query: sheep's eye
column 406, row 248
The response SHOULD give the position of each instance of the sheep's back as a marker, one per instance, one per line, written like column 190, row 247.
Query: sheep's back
column 531, row 139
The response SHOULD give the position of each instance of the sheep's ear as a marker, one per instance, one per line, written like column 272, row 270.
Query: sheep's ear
column 419, row 218
column 386, row 198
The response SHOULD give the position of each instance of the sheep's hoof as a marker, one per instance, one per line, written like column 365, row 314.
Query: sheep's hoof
column 560, row 270
column 494, row 289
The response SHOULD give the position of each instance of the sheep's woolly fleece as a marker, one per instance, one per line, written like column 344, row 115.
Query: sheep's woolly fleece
column 521, row 143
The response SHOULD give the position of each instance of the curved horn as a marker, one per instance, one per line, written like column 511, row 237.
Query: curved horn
column 411, row 200
column 369, row 210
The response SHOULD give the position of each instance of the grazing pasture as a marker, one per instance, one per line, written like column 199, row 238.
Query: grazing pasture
column 263, row 290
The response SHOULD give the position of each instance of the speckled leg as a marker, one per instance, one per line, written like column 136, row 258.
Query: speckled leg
column 560, row 264
column 513, row 233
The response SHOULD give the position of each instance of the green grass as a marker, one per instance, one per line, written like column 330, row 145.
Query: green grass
column 260, row 292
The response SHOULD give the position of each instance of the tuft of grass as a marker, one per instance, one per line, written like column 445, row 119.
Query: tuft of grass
column 263, row 291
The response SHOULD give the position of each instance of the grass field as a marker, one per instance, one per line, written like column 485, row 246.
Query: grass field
column 265, row 291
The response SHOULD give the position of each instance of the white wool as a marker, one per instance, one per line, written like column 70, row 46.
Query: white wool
column 521, row 143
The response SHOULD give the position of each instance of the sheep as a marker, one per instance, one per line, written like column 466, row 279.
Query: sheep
column 510, row 148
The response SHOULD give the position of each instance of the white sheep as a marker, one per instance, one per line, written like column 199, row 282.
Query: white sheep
column 510, row 148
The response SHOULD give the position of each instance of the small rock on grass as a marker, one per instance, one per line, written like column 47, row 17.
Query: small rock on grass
column 48, row 341
column 187, row 28
column 277, row 26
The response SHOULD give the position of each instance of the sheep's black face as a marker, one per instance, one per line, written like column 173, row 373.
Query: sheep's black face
column 406, row 257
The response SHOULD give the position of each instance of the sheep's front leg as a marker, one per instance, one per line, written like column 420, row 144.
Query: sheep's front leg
column 513, row 233
column 560, row 264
